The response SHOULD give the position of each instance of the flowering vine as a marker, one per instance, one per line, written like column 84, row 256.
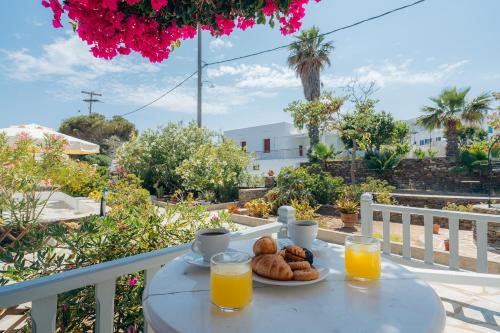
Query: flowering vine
column 154, row 28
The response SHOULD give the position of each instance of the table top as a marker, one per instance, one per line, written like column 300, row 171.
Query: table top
column 178, row 300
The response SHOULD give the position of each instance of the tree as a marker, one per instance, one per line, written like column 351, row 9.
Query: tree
column 155, row 28
column 109, row 134
column 308, row 56
column 469, row 134
column 215, row 171
column 450, row 109
column 317, row 115
column 155, row 154
column 401, row 132
column 321, row 153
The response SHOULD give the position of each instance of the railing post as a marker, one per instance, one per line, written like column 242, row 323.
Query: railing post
column 105, row 306
column 366, row 214
column 286, row 214
column 43, row 314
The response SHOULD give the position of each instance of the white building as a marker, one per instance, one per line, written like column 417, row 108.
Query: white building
column 281, row 144
column 434, row 140
column 277, row 145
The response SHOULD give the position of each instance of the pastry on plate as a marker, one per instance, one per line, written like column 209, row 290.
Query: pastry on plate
column 306, row 275
column 297, row 253
column 265, row 245
column 299, row 265
column 272, row 266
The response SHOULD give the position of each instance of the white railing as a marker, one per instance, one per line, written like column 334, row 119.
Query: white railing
column 481, row 221
column 42, row 292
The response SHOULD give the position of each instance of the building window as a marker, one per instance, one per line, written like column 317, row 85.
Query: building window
column 267, row 145
column 244, row 145
column 422, row 142
column 438, row 139
column 301, row 150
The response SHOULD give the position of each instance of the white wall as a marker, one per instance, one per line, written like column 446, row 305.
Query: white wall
column 276, row 165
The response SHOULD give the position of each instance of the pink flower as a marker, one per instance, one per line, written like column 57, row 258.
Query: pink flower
column 157, row 4
column 269, row 8
column 244, row 23
column 132, row 281
column 225, row 25
column 65, row 307
column 132, row 329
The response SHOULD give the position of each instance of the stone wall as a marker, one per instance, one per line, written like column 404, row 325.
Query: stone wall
column 493, row 228
column 419, row 174
column 247, row 194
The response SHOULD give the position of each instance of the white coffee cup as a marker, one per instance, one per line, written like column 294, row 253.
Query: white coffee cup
column 210, row 241
column 303, row 232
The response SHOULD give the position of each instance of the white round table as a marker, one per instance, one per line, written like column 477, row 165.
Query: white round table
column 178, row 300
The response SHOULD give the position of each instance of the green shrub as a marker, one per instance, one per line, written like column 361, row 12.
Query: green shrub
column 155, row 155
column 306, row 183
column 304, row 210
column 472, row 157
column 98, row 159
column 387, row 158
column 258, row 208
column 219, row 169
column 379, row 187
column 134, row 227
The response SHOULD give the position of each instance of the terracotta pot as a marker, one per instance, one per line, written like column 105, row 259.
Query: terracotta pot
column 349, row 219
column 447, row 245
column 435, row 228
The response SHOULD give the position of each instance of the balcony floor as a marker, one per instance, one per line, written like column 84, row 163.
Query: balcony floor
column 470, row 308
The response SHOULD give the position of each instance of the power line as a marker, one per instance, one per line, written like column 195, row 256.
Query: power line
column 323, row 34
column 274, row 49
column 162, row 95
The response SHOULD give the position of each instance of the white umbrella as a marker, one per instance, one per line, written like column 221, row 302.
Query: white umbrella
column 37, row 133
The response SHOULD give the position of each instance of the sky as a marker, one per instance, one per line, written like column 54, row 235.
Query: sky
column 411, row 55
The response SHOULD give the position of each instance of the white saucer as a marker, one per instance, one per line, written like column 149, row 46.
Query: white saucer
column 195, row 259
column 323, row 273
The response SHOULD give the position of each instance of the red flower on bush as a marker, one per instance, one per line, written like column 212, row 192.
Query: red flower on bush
column 114, row 27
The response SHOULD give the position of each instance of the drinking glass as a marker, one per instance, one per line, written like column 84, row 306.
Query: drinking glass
column 230, row 280
column 362, row 257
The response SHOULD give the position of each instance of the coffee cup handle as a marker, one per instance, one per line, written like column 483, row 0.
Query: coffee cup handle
column 194, row 247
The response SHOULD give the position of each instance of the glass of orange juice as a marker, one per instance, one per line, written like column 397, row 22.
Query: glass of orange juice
column 230, row 280
column 362, row 257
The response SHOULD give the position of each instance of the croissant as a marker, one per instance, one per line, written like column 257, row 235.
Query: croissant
column 265, row 245
column 272, row 266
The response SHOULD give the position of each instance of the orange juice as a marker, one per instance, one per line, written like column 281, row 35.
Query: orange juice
column 362, row 262
column 231, row 285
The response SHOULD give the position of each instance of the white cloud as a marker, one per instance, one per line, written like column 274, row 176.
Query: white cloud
column 219, row 43
column 397, row 73
column 68, row 59
column 257, row 76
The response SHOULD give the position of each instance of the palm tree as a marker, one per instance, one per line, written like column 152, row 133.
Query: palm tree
column 322, row 153
column 308, row 56
column 450, row 109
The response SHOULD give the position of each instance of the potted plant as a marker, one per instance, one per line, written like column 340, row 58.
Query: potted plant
column 435, row 228
column 447, row 245
column 349, row 210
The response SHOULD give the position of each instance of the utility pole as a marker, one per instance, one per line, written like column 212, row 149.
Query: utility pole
column 199, row 77
column 91, row 99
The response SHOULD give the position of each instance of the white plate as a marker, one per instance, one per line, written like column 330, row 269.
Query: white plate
column 323, row 273
column 195, row 259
